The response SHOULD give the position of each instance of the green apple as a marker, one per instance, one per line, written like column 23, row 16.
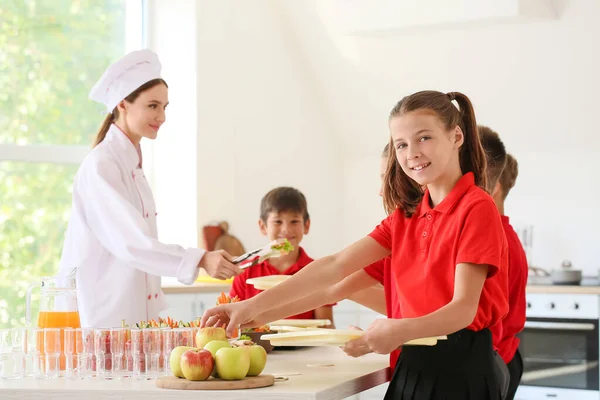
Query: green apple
column 205, row 335
column 175, row 360
column 258, row 359
column 213, row 346
column 197, row 364
column 232, row 363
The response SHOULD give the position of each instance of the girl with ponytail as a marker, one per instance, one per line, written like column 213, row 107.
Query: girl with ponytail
column 445, row 239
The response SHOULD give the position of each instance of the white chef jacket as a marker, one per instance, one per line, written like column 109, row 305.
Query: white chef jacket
column 112, row 239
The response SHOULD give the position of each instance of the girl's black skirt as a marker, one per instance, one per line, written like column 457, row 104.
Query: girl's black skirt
column 460, row 368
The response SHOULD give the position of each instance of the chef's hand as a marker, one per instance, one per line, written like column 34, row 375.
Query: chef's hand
column 218, row 264
column 382, row 337
column 231, row 316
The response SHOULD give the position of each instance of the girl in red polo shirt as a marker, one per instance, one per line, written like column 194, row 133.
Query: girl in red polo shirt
column 445, row 239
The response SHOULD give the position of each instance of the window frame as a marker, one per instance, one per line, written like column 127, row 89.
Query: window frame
column 136, row 37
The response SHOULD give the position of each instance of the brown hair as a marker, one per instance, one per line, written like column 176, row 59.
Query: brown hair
column 495, row 152
column 112, row 117
column 399, row 191
column 283, row 199
column 509, row 175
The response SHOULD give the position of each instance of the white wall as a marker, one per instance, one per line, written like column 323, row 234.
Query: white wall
column 271, row 72
column 170, row 160
column 258, row 118
column 536, row 83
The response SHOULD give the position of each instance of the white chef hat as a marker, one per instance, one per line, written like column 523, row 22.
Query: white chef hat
column 124, row 76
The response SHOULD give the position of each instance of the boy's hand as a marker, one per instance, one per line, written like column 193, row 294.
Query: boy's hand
column 218, row 264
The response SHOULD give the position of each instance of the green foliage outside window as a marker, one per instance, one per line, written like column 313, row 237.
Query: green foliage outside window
column 51, row 54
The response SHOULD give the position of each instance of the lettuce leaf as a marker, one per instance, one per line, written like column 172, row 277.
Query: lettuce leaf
column 283, row 246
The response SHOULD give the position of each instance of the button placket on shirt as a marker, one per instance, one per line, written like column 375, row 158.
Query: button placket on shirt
column 426, row 233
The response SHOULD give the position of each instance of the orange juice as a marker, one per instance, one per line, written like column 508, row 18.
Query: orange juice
column 57, row 319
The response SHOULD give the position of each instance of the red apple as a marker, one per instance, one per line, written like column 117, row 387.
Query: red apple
column 175, row 360
column 197, row 364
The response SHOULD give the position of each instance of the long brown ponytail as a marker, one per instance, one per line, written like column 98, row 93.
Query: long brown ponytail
column 112, row 117
column 472, row 156
column 108, row 120
column 399, row 191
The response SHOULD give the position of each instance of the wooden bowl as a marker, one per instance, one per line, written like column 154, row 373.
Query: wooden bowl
column 255, row 337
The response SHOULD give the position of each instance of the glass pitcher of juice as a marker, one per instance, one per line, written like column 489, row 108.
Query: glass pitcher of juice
column 58, row 308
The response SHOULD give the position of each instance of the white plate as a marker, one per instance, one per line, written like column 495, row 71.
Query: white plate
column 320, row 337
column 283, row 328
column 267, row 282
column 302, row 323
column 332, row 337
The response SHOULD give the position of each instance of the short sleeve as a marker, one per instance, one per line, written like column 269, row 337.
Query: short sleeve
column 482, row 239
column 375, row 270
column 383, row 232
column 238, row 287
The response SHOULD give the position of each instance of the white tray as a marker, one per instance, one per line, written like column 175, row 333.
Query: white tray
column 288, row 328
column 332, row 337
column 301, row 323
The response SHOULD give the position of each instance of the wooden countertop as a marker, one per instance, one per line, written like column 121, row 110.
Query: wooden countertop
column 569, row 289
column 346, row 377
column 543, row 284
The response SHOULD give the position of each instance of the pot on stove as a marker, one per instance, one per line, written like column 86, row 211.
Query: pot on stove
column 566, row 275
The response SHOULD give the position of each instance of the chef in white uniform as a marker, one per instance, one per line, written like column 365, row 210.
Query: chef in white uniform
column 112, row 237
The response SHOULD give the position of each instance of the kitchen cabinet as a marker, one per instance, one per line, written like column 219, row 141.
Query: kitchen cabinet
column 188, row 306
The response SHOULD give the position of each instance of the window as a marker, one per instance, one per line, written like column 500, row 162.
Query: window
column 51, row 54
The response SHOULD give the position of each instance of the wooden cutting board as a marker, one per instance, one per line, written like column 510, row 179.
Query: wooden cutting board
column 250, row 382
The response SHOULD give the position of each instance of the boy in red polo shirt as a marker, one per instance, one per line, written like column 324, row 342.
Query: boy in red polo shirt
column 360, row 287
column 283, row 214
column 502, row 174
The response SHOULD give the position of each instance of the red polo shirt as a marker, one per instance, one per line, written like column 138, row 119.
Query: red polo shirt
column 504, row 333
column 244, row 291
column 426, row 248
column 381, row 272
